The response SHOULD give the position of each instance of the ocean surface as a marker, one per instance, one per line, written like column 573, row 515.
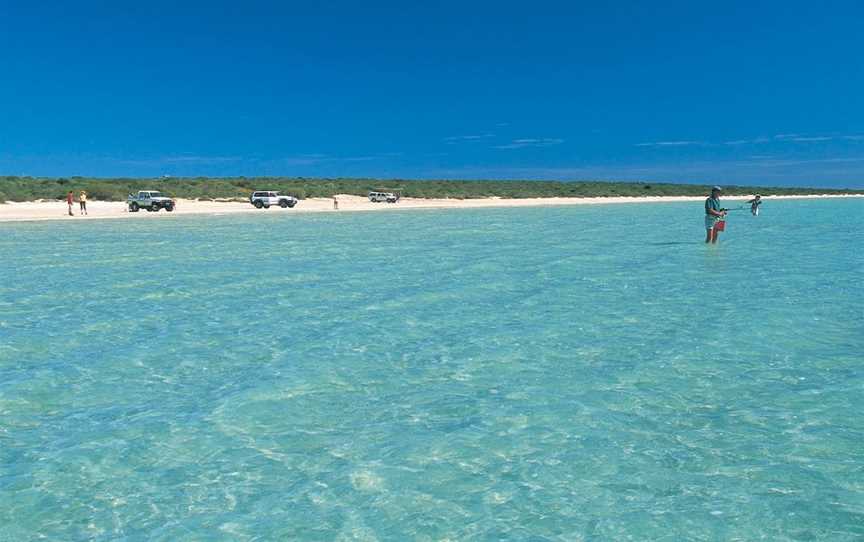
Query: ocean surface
column 569, row 373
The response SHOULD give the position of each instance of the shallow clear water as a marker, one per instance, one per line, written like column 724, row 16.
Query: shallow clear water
column 578, row 373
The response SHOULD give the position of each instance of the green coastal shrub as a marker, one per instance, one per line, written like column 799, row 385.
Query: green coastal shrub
column 116, row 189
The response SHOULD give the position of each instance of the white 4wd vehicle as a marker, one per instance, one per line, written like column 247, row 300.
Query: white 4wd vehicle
column 378, row 197
column 266, row 198
column 152, row 200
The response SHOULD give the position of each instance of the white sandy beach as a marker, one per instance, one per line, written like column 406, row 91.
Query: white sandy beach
column 57, row 210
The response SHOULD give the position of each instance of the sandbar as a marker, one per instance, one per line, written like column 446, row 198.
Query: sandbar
column 57, row 210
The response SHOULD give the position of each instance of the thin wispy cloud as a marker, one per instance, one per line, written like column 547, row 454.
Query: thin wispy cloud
column 810, row 139
column 747, row 141
column 358, row 159
column 318, row 159
column 452, row 140
column 816, row 139
column 802, row 138
column 777, row 139
column 531, row 142
column 668, row 143
column 793, row 162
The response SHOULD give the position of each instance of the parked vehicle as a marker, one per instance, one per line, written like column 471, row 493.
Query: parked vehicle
column 266, row 198
column 378, row 197
column 152, row 200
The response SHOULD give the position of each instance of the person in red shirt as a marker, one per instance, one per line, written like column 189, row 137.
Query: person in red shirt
column 70, row 199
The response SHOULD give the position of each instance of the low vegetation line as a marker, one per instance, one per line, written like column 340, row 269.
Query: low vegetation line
column 231, row 188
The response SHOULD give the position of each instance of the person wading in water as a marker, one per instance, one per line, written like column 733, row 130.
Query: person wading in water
column 754, row 205
column 713, row 214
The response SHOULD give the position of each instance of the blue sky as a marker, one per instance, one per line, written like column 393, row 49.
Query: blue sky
column 706, row 92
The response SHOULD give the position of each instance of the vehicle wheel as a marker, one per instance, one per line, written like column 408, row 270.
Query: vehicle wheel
column 133, row 207
column 283, row 204
column 169, row 208
column 292, row 204
column 258, row 204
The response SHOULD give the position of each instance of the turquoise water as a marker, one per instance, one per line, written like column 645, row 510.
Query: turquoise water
column 578, row 373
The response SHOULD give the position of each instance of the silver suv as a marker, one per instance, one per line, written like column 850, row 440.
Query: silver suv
column 266, row 198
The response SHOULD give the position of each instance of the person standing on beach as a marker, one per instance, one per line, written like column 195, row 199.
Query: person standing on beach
column 335, row 204
column 82, row 200
column 713, row 214
column 70, row 199
column 754, row 205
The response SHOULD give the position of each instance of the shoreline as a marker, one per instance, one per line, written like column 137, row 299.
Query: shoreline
column 56, row 210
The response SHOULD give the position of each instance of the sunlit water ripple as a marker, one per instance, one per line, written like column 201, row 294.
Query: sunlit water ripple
column 578, row 373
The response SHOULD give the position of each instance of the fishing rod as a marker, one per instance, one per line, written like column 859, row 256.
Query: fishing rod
column 720, row 224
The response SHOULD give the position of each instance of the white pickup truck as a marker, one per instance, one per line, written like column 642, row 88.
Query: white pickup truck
column 152, row 200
